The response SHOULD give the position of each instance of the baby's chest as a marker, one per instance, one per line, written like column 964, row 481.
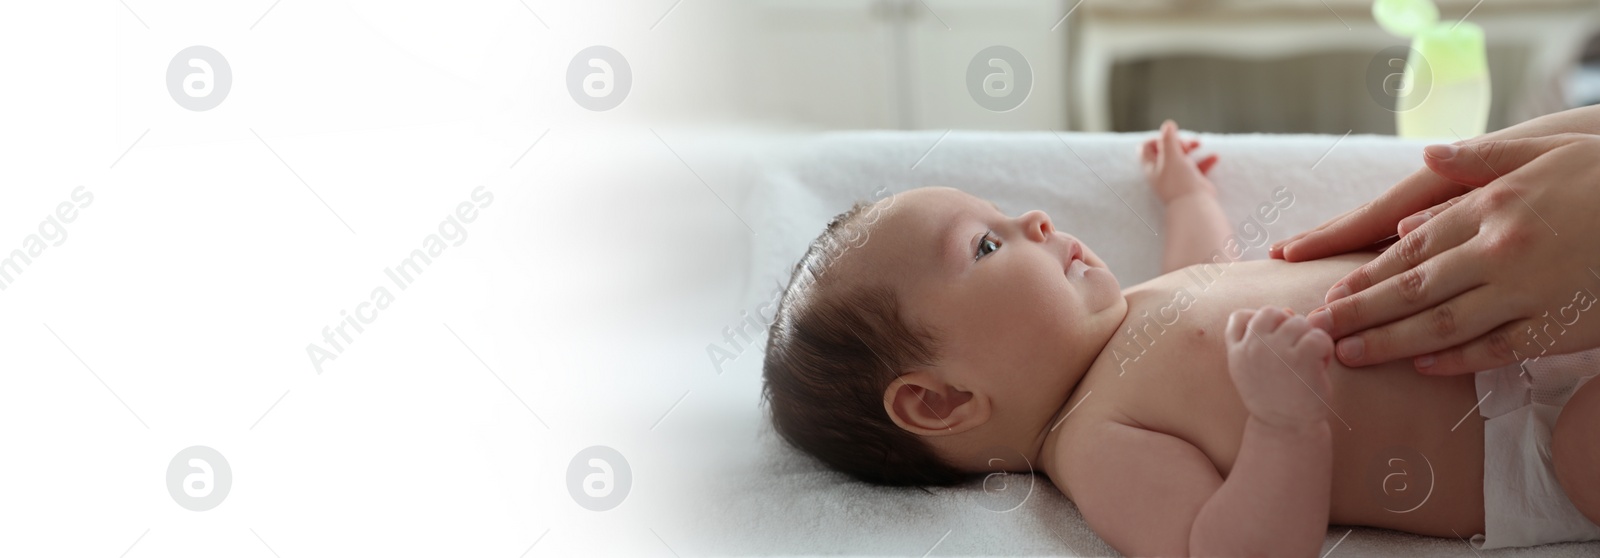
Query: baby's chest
column 1171, row 338
column 1170, row 374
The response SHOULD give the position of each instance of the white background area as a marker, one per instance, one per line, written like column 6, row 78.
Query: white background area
column 192, row 284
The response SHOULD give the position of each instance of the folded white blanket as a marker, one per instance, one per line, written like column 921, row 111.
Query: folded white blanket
column 770, row 499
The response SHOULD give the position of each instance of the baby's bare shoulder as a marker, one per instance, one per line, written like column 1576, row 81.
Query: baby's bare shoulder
column 1137, row 488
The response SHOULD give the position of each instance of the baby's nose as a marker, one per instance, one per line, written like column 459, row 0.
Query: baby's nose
column 1038, row 223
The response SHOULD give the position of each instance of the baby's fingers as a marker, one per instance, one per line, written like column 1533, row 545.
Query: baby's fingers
column 1237, row 323
column 1293, row 329
column 1267, row 320
column 1149, row 150
column 1170, row 145
column 1317, row 344
column 1315, row 349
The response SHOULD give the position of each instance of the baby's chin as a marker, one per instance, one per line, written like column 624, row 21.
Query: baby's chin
column 1099, row 288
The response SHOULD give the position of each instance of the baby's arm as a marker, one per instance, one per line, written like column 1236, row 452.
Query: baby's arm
column 1195, row 225
column 1149, row 493
column 1279, row 506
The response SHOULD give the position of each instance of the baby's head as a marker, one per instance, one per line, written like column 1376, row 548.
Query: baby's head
column 921, row 329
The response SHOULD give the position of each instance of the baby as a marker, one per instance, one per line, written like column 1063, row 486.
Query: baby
column 929, row 337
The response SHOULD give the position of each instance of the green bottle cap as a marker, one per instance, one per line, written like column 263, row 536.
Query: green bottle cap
column 1454, row 52
column 1405, row 18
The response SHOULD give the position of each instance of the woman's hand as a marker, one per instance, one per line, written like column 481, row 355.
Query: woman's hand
column 1481, row 277
column 1168, row 168
column 1373, row 222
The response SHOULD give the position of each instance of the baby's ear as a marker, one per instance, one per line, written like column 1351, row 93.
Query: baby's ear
column 923, row 404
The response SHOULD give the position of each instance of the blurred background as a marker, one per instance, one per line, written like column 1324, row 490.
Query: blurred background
column 1213, row 65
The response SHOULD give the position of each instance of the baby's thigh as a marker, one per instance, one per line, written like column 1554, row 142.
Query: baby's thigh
column 1575, row 448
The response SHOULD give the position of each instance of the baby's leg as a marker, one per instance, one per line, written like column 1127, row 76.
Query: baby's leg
column 1575, row 446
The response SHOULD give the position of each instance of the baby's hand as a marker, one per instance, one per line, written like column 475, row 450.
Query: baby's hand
column 1279, row 364
column 1169, row 169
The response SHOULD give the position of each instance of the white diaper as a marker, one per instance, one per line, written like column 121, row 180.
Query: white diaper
column 1523, row 504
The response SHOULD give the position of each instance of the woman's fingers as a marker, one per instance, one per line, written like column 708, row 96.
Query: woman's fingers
column 1276, row 250
column 1376, row 220
column 1451, row 228
column 1453, row 171
column 1482, row 162
column 1206, row 163
column 1439, row 279
column 1421, row 269
column 1501, row 346
column 1417, row 219
column 1454, row 322
column 1455, row 168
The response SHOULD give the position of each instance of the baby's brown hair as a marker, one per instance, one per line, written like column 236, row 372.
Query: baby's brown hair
column 833, row 348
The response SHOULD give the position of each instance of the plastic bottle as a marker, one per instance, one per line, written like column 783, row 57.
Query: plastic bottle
column 1444, row 91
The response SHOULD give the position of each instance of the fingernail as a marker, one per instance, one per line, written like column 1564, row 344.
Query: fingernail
column 1411, row 223
column 1337, row 292
column 1441, row 151
column 1321, row 319
column 1426, row 361
column 1350, row 349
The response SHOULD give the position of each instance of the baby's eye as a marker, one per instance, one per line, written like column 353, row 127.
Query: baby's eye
column 986, row 246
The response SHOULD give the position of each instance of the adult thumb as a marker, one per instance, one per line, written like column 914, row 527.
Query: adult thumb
column 1479, row 163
